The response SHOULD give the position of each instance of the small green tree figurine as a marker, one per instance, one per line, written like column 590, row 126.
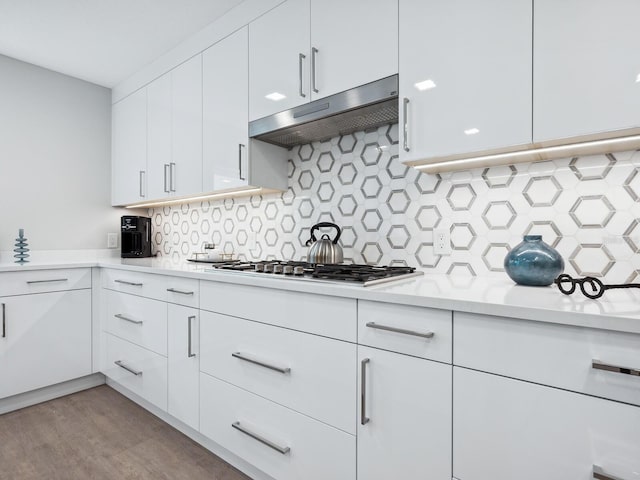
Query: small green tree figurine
column 21, row 248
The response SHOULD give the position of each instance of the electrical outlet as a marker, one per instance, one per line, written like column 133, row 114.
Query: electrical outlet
column 442, row 242
column 112, row 240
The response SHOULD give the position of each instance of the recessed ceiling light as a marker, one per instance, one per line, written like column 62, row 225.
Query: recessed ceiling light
column 425, row 85
column 275, row 96
column 471, row 131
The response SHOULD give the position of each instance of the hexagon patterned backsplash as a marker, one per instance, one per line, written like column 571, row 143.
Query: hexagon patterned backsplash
column 587, row 208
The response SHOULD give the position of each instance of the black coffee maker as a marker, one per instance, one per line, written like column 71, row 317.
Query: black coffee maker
column 135, row 237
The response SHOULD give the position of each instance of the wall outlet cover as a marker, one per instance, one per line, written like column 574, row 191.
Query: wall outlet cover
column 442, row 242
column 112, row 240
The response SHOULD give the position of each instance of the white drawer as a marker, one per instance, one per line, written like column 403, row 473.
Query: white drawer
column 316, row 450
column 417, row 331
column 142, row 321
column 40, row 281
column 183, row 291
column 320, row 314
column 506, row 429
column 311, row 374
column 140, row 370
column 142, row 284
column 556, row 355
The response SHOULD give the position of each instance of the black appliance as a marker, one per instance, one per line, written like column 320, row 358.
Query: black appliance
column 135, row 237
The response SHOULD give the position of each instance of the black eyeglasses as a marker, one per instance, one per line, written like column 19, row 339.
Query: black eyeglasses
column 591, row 287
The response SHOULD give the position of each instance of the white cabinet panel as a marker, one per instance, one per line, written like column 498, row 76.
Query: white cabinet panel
column 465, row 71
column 408, row 406
column 355, row 42
column 41, row 281
column 225, row 106
column 159, row 136
column 276, row 42
column 136, row 283
column 184, row 365
column 183, row 291
column 585, row 67
column 45, row 339
column 129, row 149
column 506, row 429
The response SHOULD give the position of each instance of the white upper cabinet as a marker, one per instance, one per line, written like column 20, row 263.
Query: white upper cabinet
column 304, row 50
column 586, row 67
column 465, row 76
column 225, row 106
column 353, row 42
column 279, row 59
column 185, row 170
column 129, row 156
column 159, row 136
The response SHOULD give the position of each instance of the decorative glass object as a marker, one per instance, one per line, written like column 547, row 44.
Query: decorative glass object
column 533, row 262
column 21, row 248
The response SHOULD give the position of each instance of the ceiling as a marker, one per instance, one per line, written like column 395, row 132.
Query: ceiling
column 101, row 41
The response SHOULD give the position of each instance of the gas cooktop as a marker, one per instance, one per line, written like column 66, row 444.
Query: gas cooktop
column 365, row 275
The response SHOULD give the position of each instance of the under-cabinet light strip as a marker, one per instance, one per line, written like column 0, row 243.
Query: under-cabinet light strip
column 195, row 199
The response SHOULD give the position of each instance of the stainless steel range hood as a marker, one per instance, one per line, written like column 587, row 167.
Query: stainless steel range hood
column 360, row 108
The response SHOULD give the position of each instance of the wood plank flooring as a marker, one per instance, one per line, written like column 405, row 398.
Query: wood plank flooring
column 100, row 434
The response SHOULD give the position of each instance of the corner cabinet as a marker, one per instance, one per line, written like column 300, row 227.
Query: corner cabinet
column 465, row 76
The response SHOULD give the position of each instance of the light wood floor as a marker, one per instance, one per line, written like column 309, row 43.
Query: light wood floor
column 99, row 434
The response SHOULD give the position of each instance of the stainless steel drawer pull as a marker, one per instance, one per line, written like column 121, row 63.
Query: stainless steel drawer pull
column 172, row 177
column 598, row 365
column 133, row 284
column 181, row 292
column 405, row 124
column 255, row 436
column 301, row 58
column 167, row 173
column 241, row 356
column 600, row 475
column 4, row 320
column 189, row 342
column 314, row 56
column 142, row 175
column 127, row 319
column 53, row 280
column 363, row 392
column 400, row 330
column 119, row 363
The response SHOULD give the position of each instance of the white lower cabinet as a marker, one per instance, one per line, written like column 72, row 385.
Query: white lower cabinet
column 184, row 364
column 505, row 429
column 44, row 339
column 282, row 443
column 404, row 417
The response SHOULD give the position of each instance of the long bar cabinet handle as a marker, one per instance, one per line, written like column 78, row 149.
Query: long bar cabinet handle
column 172, row 176
column 363, row 391
column 167, row 188
column 599, row 474
column 121, row 364
column 31, row 282
column 125, row 282
column 405, row 124
column 4, row 320
column 241, row 356
column 404, row 331
column 190, row 353
column 301, row 58
column 127, row 319
column 181, row 292
column 261, row 439
column 314, row 55
column 240, row 146
column 142, row 175
column 598, row 365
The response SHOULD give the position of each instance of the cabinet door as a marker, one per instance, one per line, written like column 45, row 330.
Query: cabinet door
column 184, row 364
column 46, row 339
column 506, row 429
column 355, row 42
column 186, row 97
column 407, row 402
column 465, row 76
column 158, row 137
column 225, row 87
column 279, row 59
column 129, row 156
column 586, row 68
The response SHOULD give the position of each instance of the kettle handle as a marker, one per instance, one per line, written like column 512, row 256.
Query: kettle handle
column 317, row 226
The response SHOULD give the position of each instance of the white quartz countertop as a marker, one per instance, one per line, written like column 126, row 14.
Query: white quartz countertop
column 617, row 310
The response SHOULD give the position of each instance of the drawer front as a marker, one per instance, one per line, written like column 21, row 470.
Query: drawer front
column 142, row 321
column 316, row 451
column 310, row 374
column 556, row 355
column 140, row 370
column 41, row 281
column 183, row 291
column 417, row 331
column 506, row 429
column 136, row 283
column 328, row 316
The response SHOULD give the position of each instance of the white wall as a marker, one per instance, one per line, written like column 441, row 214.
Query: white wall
column 55, row 154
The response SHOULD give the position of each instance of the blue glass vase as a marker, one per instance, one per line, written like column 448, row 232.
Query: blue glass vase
column 533, row 262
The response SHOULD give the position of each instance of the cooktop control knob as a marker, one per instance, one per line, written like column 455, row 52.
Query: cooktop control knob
column 287, row 269
column 298, row 270
column 259, row 267
column 268, row 268
column 277, row 268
